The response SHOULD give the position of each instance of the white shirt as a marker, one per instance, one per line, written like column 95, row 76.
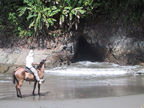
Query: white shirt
column 29, row 59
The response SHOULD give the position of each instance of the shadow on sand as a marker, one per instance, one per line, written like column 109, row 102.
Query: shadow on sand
column 30, row 95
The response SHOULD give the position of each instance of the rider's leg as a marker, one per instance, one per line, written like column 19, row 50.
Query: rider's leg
column 35, row 73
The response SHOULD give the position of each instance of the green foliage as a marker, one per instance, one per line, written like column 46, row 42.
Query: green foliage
column 38, row 14
column 31, row 17
column 12, row 17
column 34, row 17
column 70, row 13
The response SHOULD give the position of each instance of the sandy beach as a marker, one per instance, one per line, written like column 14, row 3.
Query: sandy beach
column 76, row 92
column 135, row 101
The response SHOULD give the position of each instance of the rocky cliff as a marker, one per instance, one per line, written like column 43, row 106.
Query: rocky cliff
column 113, row 42
column 99, row 40
column 13, row 52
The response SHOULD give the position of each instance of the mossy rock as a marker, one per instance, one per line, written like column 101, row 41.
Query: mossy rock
column 7, row 68
column 142, row 64
column 3, row 68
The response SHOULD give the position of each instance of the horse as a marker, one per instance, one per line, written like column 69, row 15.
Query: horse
column 20, row 74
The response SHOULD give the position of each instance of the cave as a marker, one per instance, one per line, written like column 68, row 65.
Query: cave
column 85, row 51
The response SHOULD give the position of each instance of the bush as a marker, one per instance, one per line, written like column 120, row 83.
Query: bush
column 31, row 17
column 42, row 15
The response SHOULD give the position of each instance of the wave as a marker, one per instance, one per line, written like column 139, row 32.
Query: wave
column 93, row 69
column 4, row 81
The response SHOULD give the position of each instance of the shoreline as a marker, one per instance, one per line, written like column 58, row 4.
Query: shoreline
column 132, row 101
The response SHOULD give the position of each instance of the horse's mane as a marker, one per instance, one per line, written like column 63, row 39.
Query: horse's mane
column 40, row 64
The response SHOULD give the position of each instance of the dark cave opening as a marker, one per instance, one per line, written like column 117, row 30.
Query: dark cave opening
column 86, row 52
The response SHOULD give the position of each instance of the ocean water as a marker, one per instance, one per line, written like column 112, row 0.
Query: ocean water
column 95, row 69
column 80, row 80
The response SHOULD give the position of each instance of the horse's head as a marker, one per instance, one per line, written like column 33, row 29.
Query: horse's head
column 41, row 63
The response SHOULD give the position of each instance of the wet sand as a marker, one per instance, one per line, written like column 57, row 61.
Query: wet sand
column 76, row 92
column 135, row 101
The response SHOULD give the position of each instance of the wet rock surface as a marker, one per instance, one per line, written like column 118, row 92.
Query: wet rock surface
column 105, row 41
column 11, row 59
column 95, row 41
column 13, row 51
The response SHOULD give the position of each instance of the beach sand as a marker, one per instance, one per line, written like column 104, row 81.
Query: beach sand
column 69, row 92
column 134, row 101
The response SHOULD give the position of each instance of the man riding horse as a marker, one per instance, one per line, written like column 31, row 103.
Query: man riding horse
column 29, row 65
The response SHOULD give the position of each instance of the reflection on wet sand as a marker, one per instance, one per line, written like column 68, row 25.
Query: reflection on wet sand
column 70, row 87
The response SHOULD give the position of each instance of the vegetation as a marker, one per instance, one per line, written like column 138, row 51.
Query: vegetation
column 34, row 17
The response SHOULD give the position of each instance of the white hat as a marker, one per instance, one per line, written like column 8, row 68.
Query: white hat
column 31, row 53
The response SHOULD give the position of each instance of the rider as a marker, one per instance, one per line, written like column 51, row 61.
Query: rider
column 29, row 64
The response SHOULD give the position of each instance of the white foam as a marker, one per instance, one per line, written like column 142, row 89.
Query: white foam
column 86, row 72
column 4, row 81
column 93, row 69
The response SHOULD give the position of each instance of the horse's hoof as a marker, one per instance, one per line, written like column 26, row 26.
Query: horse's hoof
column 19, row 96
column 33, row 94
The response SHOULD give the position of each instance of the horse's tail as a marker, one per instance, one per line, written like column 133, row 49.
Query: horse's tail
column 14, row 77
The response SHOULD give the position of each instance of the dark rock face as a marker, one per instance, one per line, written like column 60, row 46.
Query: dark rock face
column 86, row 51
column 97, row 41
column 102, row 41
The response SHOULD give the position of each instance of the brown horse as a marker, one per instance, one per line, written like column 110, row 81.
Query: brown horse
column 20, row 74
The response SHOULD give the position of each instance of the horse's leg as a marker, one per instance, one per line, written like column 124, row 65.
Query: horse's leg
column 38, row 89
column 18, row 88
column 17, row 91
column 35, row 83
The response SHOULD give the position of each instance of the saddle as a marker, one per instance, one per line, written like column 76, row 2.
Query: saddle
column 28, row 70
